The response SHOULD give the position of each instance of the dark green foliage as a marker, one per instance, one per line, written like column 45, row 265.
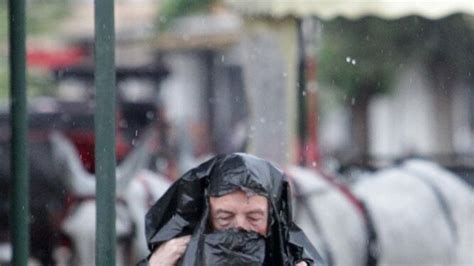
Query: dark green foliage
column 43, row 17
column 381, row 47
column 172, row 9
column 357, row 55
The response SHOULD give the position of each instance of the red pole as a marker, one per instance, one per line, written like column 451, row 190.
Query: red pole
column 312, row 152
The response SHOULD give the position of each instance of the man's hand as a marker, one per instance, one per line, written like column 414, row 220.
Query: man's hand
column 169, row 252
column 302, row 263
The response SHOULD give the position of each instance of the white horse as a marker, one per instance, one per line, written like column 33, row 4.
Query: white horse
column 421, row 214
column 136, row 189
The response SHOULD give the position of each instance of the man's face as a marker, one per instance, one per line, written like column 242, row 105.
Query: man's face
column 238, row 210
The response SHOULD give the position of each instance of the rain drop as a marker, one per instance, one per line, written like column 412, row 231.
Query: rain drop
column 123, row 124
column 150, row 115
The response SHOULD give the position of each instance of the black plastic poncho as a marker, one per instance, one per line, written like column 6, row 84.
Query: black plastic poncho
column 184, row 210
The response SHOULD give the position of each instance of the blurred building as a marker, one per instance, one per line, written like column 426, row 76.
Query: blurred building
column 417, row 119
column 233, row 81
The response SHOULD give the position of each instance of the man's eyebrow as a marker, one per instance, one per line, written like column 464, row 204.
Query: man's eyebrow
column 222, row 211
column 257, row 211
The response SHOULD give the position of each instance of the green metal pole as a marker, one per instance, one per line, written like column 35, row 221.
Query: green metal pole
column 105, row 131
column 19, row 127
column 302, row 125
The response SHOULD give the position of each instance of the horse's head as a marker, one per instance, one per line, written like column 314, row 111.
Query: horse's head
column 73, row 174
column 136, row 189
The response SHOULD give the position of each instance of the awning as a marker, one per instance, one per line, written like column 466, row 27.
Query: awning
column 327, row 9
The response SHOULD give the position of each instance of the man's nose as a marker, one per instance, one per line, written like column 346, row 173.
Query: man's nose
column 242, row 222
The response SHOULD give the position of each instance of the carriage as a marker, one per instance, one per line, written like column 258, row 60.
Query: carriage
column 74, row 117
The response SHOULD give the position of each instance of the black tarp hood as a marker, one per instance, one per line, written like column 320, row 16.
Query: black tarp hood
column 184, row 210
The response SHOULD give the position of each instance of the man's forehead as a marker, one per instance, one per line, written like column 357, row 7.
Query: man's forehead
column 239, row 199
column 240, row 193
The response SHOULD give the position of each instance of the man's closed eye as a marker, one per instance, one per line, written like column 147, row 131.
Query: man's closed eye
column 224, row 220
column 254, row 219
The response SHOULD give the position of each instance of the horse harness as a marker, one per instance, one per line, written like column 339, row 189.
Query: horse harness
column 440, row 198
column 372, row 248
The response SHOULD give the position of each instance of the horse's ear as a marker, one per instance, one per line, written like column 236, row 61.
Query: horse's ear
column 137, row 159
column 72, row 172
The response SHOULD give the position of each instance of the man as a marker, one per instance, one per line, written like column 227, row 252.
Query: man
column 233, row 209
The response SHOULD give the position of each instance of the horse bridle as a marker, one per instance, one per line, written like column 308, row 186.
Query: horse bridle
column 302, row 200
